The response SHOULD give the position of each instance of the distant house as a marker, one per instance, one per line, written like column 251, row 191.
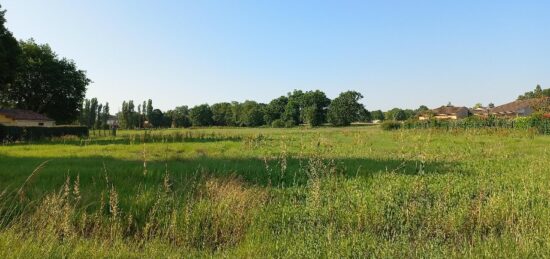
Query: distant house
column 480, row 111
column 520, row 108
column 112, row 121
column 17, row 117
column 448, row 112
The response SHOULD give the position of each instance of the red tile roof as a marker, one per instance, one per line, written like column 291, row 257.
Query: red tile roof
column 515, row 106
column 17, row 114
column 448, row 110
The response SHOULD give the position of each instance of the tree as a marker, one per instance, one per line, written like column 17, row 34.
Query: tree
column 201, row 115
column 345, row 108
column 378, row 115
column 491, row 105
column 105, row 116
column 10, row 55
column 478, row 105
column 314, row 106
column 99, row 116
column 149, row 109
column 275, row 109
column 422, row 109
column 84, row 113
column 222, row 114
column 156, row 118
column 292, row 109
column 365, row 116
column 537, row 93
column 179, row 117
column 92, row 116
column 252, row 114
column 400, row 115
column 47, row 84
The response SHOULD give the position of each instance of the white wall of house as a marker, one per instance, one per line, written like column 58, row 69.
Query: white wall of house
column 29, row 123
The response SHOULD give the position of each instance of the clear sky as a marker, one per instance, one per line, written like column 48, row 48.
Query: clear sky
column 397, row 53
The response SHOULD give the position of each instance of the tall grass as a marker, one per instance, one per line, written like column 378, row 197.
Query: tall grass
column 290, row 193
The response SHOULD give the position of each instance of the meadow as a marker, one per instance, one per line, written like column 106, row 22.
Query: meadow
column 299, row 193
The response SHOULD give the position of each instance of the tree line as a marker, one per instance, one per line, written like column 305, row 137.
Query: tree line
column 312, row 108
column 538, row 92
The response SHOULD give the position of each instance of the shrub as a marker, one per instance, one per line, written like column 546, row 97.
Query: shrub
column 15, row 133
column 290, row 124
column 391, row 125
column 278, row 123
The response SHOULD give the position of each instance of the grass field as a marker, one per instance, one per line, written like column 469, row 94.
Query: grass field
column 328, row 192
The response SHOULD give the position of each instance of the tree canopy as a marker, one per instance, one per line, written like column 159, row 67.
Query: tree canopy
column 47, row 84
column 345, row 108
column 201, row 115
column 10, row 54
column 538, row 92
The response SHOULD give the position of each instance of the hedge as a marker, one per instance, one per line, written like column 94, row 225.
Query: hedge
column 391, row 125
column 16, row 133
column 533, row 122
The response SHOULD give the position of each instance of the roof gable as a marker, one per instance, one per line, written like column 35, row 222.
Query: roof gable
column 18, row 114
column 519, row 105
column 448, row 110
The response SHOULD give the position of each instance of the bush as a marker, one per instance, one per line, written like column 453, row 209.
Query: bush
column 290, row 124
column 391, row 125
column 16, row 133
column 278, row 123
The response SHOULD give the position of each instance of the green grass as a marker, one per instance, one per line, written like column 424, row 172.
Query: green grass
column 327, row 192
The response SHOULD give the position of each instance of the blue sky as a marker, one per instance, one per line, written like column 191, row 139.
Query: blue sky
column 397, row 53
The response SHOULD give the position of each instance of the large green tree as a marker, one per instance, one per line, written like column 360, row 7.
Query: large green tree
column 314, row 106
column 156, row 118
column 252, row 114
column 293, row 107
column 201, row 115
column 47, row 84
column 222, row 114
column 179, row 117
column 345, row 108
column 378, row 115
column 275, row 109
column 10, row 54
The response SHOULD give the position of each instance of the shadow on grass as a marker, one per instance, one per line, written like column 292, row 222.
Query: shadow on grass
column 93, row 171
column 131, row 141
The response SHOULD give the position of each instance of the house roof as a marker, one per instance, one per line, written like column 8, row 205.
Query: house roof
column 18, row 114
column 515, row 106
column 448, row 110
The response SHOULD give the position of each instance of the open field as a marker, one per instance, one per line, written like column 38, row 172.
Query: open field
column 327, row 192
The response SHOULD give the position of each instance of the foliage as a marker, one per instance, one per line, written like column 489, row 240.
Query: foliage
column 275, row 109
column 179, row 117
column 156, row 118
column 47, row 84
column 201, row 115
column 314, row 105
column 378, row 115
column 536, row 93
column 251, row 114
column 390, row 125
column 16, row 133
column 345, row 108
column 535, row 121
column 10, row 54
column 278, row 123
column 365, row 116
column 293, row 108
column 222, row 114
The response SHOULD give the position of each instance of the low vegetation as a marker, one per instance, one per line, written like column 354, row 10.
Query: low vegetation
column 326, row 192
